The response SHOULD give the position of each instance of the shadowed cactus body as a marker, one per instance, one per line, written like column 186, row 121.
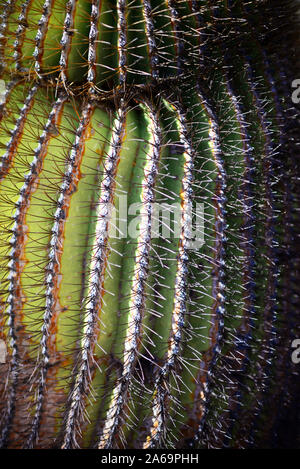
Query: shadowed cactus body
column 148, row 204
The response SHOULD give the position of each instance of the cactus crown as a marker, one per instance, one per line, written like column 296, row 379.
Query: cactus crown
column 148, row 204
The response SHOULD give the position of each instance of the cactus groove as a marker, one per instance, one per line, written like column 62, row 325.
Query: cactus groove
column 123, row 126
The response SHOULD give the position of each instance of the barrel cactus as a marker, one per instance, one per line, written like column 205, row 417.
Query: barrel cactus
column 148, row 200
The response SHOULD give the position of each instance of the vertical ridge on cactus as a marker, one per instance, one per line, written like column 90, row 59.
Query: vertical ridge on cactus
column 149, row 217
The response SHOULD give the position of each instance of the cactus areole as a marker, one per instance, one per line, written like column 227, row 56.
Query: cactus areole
column 149, row 270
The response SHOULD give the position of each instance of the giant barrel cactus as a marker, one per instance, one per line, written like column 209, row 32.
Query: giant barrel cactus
column 149, row 221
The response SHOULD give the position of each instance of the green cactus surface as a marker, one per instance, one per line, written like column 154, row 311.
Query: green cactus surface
column 149, row 217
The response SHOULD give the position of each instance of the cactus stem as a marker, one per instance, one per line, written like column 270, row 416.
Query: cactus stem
column 270, row 314
column 178, row 34
column 16, row 255
column 67, row 188
column 161, row 395
column 95, row 288
column 217, row 329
